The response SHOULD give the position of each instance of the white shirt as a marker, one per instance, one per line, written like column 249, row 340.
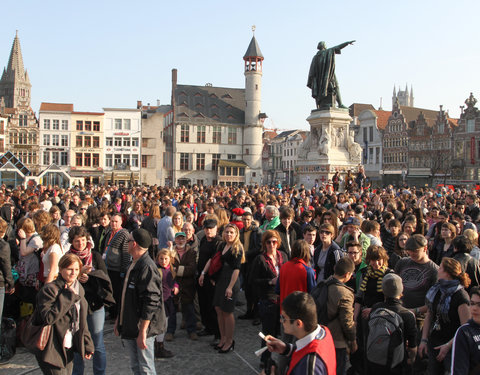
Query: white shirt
column 304, row 341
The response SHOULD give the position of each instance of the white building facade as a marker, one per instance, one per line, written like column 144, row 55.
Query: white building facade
column 55, row 134
column 122, row 149
column 369, row 136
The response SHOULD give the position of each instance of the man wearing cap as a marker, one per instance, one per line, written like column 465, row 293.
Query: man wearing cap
column 142, row 314
column 392, row 289
column 351, row 232
column 185, row 267
column 418, row 274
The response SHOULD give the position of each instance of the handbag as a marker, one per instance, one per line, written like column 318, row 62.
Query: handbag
column 215, row 265
column 34, row 337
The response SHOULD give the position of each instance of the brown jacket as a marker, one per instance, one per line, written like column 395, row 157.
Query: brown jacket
column 340, row 312
column 185, row 270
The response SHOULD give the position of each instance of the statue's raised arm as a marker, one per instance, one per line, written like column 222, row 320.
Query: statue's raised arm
column 321, row 78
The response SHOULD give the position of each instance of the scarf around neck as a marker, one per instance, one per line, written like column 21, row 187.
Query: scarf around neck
column 373, row 274
column 447, row 288
column 84, row 255
column 269, row 262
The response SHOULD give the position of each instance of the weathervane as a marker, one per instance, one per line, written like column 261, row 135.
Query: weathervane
column 253, row 29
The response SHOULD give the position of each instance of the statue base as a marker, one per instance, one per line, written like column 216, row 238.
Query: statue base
column 328, row 149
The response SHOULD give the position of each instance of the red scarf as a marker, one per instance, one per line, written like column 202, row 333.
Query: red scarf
column 270, row 264
column 84, row 255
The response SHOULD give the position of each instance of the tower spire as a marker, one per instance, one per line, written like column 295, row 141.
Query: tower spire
column 15, row 84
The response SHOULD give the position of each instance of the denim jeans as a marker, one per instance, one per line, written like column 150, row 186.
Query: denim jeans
column 190, row 319
column 142, row 362
column 96, row 321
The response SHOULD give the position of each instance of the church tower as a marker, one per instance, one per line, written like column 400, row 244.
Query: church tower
column 15, row 84
column 253, row 129
column 404, row 97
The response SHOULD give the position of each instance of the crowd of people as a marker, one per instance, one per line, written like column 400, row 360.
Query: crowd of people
column 340, row 282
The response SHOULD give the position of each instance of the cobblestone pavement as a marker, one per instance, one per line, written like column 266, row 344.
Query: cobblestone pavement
column 191, row 357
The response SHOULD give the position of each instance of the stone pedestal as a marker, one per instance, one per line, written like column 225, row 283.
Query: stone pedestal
column 330, row 147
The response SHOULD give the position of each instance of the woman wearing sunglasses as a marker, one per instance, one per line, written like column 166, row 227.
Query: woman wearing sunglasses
column 264, row 275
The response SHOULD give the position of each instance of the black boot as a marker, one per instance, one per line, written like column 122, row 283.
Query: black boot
column 161, row 352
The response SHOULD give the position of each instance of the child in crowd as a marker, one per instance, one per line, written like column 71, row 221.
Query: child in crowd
column 170, row 288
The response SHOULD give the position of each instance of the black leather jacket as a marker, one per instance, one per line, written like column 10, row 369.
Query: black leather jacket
column 143, row 299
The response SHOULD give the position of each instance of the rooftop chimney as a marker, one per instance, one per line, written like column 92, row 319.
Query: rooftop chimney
column 139, row 104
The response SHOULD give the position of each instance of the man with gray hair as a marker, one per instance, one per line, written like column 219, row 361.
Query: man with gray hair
column 272, row 218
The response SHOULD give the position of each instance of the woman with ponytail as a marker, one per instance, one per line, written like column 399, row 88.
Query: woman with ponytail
column 448, row 309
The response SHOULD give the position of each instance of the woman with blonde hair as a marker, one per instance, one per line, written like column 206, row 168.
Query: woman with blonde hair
column 447, row 303
column 473, row 236
column 227, row 285
column 223, row 219
column 177, row 222
column 52, row 252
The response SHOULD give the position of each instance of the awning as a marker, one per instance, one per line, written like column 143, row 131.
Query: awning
column 232, row 163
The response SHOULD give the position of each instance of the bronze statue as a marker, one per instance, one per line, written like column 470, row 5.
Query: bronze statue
column 322, row 79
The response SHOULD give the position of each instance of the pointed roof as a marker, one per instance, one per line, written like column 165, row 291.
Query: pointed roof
column 15, row 68
column 253, row 49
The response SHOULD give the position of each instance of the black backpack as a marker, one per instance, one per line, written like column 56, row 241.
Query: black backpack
column 320, row 296
column 385, row 345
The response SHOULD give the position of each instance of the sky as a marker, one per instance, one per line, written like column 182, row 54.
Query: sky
column 101, row 54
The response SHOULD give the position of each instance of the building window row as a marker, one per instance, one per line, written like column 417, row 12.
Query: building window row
column 121, row 141
column 22, row 138
column 116, row 159
column 396, row 157
column 201, row 134
column 87, row 141
column 87, row 159
column 232, row 171
column 55, row 157
column 27, row 157
column 395, row 142
column 123, row 124
column 88, row 126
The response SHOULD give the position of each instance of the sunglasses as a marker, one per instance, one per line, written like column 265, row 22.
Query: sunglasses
column 325, row 232
column 271, row 242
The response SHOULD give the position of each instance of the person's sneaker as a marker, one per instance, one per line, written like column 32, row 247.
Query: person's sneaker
column 193, row 336
column 169, row 337
column 4, row 360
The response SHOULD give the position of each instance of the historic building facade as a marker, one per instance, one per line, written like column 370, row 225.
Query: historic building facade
column 15, row 93
column 395, row 141
column 466, row 162
column 216, row 132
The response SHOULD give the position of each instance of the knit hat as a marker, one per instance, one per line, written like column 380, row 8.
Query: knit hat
column 142, row 238
column 392, row 285
column 416, row 242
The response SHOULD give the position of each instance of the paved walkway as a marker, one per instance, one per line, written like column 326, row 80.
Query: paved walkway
column 191, row 357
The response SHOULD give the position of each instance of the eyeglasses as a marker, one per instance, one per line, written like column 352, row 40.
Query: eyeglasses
column 473, row 304
column 353, row 252
column 283, row 319
column 325, row 232
column 271, row 242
